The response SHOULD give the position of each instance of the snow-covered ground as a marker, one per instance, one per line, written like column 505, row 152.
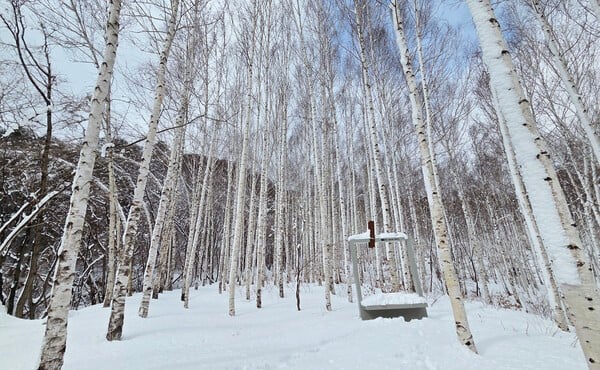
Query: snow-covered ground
column 279, row 337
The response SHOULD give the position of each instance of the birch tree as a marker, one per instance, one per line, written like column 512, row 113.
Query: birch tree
column 55, row 337
column 360, row 9
column 78, row 29
column 115, row 325
column 262, row 220
column 165, row 197
column 532, row 227
column 199, row 204
column 440, row 228
column 241, row 176
column 261, row 238
column 113, row 220
column 548, row 202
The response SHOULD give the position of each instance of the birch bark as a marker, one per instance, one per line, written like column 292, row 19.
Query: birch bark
column 280, row 200
column 321, row 232
column 55, row 337
column 113, row 235
column 532, row 230
column 163, row 205
column 548, row 202
column 262, row 221
column 226, row 238
column 166, row 240
column 193, row 214
column 261, row 240
column 115, row 324
column 440, row 229
column 194, row 239
column 373, row 137
column 342, row 205
column 241, row 180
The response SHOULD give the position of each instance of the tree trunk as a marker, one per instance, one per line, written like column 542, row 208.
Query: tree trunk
column 197, row 229
column 113, row 234
column 375, row 152
column 226, row 238
column 280, row 199
column 531, row 226
column 238, row 228
column 55, row 337
column 548, row 202
column 115, row 324
column 248, row 265
column 163, row 205
column 440, row 228
column 262, row 221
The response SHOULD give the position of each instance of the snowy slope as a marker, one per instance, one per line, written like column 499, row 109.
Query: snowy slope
column 279, row 337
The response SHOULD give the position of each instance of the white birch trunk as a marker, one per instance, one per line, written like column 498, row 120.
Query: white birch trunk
column 343, row 214
column 426, row 105
column 261, row 240
column 115, row 325
column 372, row 203
column 113, row 236
column 226, row 238
column 253, row 242
column 280, row 201
column 248, row 266
column 239, row 218
column 193, row 222
column 436, row 206
column 241, row 180
column 194, row 239
column 262, row 222
column 376, row 154
column 532, row 230
column 200, row 190
column 163, row 206
column 321, row 231
column 166, row 239
column 55, row 337
column 548, row 202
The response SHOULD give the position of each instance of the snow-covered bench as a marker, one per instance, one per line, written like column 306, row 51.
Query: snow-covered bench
column 407, row 305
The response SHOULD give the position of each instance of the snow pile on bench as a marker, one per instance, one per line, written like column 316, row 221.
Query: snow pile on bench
column 383, row 299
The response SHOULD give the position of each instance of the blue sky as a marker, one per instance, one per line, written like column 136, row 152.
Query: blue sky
column 457, row 13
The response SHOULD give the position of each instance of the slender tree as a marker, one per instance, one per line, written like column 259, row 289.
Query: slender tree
column 243, row 163
column 55, row 337
column 434, row 196
column 548, row 201
column 123, row 278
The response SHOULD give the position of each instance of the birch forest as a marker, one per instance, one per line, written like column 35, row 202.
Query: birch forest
column 149, row 146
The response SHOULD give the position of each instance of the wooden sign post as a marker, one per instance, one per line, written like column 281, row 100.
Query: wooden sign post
column 371, row 227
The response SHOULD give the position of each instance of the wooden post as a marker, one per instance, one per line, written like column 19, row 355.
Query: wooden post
column 371, row 227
